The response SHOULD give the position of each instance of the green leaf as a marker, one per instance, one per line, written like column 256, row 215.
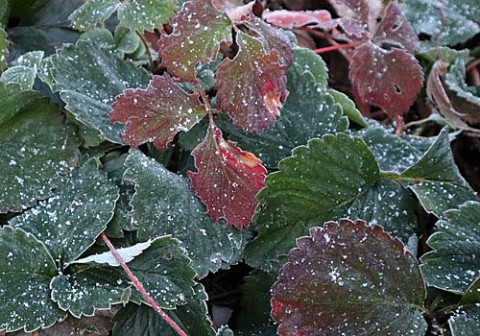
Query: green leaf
column 453, row 264
column 126, row 40
column 88, row 78
column 333, row 177
column 3, row 48
column 314, row 64
column 308, row 112
column 142, row 320
column 466, row 319
column 436, row 180
column 163, row 204
column 348, row 106
column 69, row 222
column 224, row 331
column 37, row 149
column 349, row 278
column 26, row 269
column 82, row 293
column 137, row 15
column 454, row 21
column 24, row 70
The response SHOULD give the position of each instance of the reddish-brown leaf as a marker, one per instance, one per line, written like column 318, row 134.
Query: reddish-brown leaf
column 296, row 19
column 394, row 28
column 390, row 79
column 157, row 113
column 354, row 9
column 252, row 86
column 197, row 33
column 228, row 179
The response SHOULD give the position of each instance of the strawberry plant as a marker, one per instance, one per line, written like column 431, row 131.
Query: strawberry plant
column 197, row 168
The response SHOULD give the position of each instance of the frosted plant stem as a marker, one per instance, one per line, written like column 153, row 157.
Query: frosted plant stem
column 138, row 285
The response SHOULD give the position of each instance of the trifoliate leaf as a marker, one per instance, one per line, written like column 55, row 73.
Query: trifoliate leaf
column 466, row 319
column 137, row 15
column 163, row 204
column 452, row 21
column 69, row 222
column 197, row 33
column 253, row 100
column 453, row 264
column 127, row 254
column 26, row 269
column 436, row 180
column 134, row 320
column 156, row 114
column 83, row 292
column 390, row 79
column 308, row 112
column 227, row 180
column 37, row 149
column 24, row 70
column 349, row 279
column 348, row 106
column 88, row 78
column 333, row 177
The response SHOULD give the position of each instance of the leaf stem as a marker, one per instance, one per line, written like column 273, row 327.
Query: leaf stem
column 138, row 285
column 337, row 47
column 206, row 101
column 147, row 49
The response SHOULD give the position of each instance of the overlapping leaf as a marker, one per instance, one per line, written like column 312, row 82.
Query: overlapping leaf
column 24, row 70
column 156, row 114
column 198, row 31
column 453, row 264
column 89, row 77
column 349, row 278
column 69, row 222
column 26, row 268
column 333, row 177
column 137, row 15
column 37, row 149
column 163, row 204
column 228, row 179
column 466, row 319
column 253, row 100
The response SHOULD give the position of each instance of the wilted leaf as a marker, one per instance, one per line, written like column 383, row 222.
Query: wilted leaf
column 228, row 179
column 198, row 31
column 69, row 222
column 466, row 319
column 88, row 78
column 156, row 114
column 37, row 149
column 296, row 19
column 390, row 79
column 349, row 279
column 453, row 264
column 26, row 269
column 127, row 254
column 137, row 15
column 164, row 204
column 253, row 100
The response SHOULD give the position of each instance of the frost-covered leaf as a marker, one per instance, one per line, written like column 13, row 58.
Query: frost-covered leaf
column 348, row 106
column 295, row 19
column 354, row 9
column 436, row 180
column 253, row 100
column 466, row 319
column 134, row 320
column 308, row 112
column 453, row 264
column 137, row 15
column 69, row 222
column 163, row 204
column 164, row 271
column 454, row 21
column 331, row 178
column 389, row 79
column 3, row 48
column 24, row 70
column 156, row 114
column 26, row 269
column 126, row 40
column 127, row 254
column 88, row 78
column 37, row 149
column 227, row 180
column 197, row 33
column 395, row 29
column 349, row 279
column 224, row 331
column 83, row 292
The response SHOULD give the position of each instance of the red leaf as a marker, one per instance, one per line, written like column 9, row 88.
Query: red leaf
column 296, row 19
column 198, row 31
column 394, row 27
column 157, row 113
column 253, row 100
column 390, row 80
column 228, row 179
column 354, row 9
